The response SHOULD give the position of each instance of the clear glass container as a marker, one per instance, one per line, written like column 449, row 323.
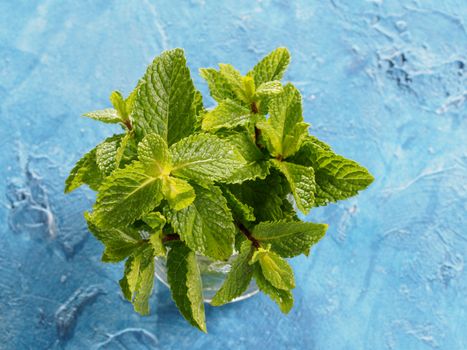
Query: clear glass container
column 213, row 274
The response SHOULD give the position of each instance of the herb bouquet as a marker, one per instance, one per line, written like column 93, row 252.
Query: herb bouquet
column 181, row 180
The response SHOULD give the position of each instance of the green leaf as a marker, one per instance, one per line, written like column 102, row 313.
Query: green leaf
column 283, row 298
column 154, row 220
column 205, row 158
column 119, row 242
column 125, row 196
column 239, row 209
column 218, row 85
column 154, row 154
column 256, row 165
column 285, row 130
column 118, row 102
column 206, row 225
column 271, row 67
column 165, row 99
column 269, row 88
column 178, row 192
column 237, row 84
column 227, row 114
column 155, row 239
column 238, row 278
column 289, row 238
column 106, row 154
column 108, row 115
column 86, row 172
column 267, row 196
column 138, row 281
column 337, row 178
column 275, row 269
column 185, row 284
column 302, row 183
column 122, row 147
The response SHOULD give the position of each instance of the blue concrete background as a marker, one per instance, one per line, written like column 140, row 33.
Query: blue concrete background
column 384, row 82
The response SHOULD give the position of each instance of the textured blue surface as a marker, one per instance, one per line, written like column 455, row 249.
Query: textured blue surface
column 384, row 82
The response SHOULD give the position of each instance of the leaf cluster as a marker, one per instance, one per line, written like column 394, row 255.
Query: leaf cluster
column 180, row 180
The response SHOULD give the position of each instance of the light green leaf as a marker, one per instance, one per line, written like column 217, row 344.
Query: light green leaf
column 108, row 115
column 275, row 269
column 269, row 88
column 155, row 239
column 165, row 98
column 236, row 82
column 239, row 209
column 185, row 284
column 283, row 298
column 302, row 183
column 154, row 154
column 289, row 238
column 154, row 220
column 285, row 130
column 138, row 281
column 256, row 165
column 119, row 242
column 227, row 114
column 205, row 158
column 238, row 278
column 337, row 178
column 218, row 85
column 271, row 67
column 178, row 192
column 126, row 195
column 206, row 225
column 118, row 102
column 122, row 147
column 106, row 154
column 86, row 172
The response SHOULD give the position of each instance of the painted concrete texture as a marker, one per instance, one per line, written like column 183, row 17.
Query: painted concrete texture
column 383, row 82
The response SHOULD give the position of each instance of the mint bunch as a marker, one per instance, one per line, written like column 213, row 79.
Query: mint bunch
column 181, row 180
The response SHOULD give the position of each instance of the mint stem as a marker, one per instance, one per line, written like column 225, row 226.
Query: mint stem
column 248, row 235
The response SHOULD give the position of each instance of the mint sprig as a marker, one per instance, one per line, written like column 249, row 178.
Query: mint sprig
column 182, row 180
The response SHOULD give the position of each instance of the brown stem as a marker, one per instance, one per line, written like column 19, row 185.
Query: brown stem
column 170, row 237
column 254, row 107
column 248, row 235
column 128, row 124
column 257, row 136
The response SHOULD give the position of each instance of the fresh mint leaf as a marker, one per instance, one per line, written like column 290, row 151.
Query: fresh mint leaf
column 302, row 183
column 204, row 158
column 122, row 147
column 256, row 165
column 108, row 115
column 126, row 195
column 154, row 220
column 289, row 238
column 138, row 280
column 336, row 177
column 283, row 298
column 177, row 192
column 119, row 242
column 218, row 85
column 269, row 88
column 227, row 114
column 164, row 104
column 238, row 278
column 86, row 172
column 271, row 67
column 106, row 154
column 285, row 130
column 275, row 269
column 153, row 153
column 240, row 210
column 185, row 284
column 206, row 225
